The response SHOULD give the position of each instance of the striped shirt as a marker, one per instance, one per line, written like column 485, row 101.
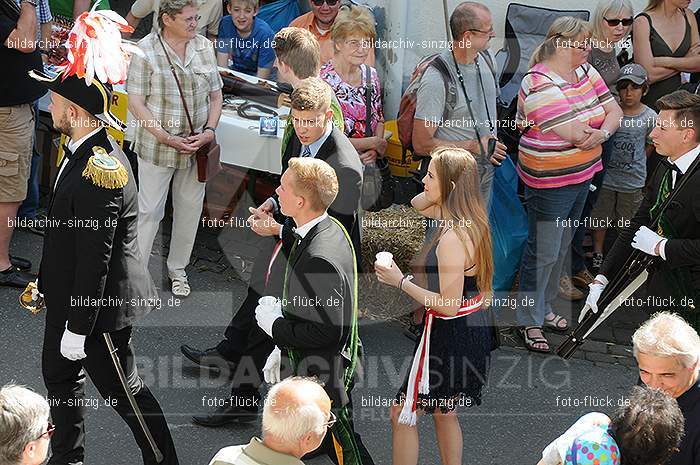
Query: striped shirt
column 150, row 76
column 546, row 160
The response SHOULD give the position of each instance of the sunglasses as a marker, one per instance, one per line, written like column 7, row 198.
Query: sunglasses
column 48, row 433
column 331, row 421
column 615, row 22
column 327, row 2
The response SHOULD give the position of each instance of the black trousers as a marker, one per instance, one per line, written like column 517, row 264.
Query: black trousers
column 65, row 381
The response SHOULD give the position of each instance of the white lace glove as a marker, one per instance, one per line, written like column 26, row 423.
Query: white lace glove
column 646, row 240
column 267, row 315
column 271, row 370
column 596, row 289
column 72, row 345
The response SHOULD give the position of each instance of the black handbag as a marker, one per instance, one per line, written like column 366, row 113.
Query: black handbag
column 377, row 182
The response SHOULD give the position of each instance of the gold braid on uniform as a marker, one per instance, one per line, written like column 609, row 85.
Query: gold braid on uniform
column 104, row 170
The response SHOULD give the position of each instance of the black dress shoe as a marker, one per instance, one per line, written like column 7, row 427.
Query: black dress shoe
column 226, row 415
column 20, row 263
column 12, row 277
column 209, row 358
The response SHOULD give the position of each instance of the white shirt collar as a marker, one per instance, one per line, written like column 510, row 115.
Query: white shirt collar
column 684, row 161
column 74, row 145
column 304, row 229
column 316, row 146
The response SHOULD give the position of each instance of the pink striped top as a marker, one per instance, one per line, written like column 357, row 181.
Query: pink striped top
column 545, row 159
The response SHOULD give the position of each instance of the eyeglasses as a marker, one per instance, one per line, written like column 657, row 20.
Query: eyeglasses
column 327, row 2
column 192, row 19
column 614, row 22
column 357, row 43
column 48, row 433
column 331, row 421
column 489, row 32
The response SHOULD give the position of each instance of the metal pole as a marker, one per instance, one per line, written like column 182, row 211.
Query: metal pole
column 130, row 396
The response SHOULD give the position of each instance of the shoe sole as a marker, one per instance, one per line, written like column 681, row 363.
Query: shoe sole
column 243, row 419
column 215, row 368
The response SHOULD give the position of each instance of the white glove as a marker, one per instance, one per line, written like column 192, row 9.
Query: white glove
column 596, row 289
column 36, row 294
column 271, row 370
column 72, row 345
column 267, row 315
column 646, row 240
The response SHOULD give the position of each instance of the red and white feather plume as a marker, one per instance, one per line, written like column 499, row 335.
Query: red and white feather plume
column 95, row 47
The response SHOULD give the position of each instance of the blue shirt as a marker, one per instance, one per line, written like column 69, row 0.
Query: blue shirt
column 249, row 54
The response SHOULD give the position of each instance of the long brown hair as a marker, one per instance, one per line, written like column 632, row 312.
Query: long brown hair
column 462, row 206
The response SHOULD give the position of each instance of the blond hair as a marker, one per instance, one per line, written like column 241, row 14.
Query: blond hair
column 562, row 30
column 608, row 9
column 667, row 335
column 463, row 204
column 314, row 180
column 312, row 94
column 298, row 49
column 254, row 4
column 353, row 21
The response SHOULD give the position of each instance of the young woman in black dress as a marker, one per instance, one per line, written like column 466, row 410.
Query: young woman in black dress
column 451, row 359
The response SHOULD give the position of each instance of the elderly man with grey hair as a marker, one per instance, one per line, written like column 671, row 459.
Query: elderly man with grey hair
column 25, row 429
column 667, row 350
column 296, row 416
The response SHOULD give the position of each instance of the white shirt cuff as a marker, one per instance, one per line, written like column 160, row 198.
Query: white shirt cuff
column 662, row 248
column 602, row 279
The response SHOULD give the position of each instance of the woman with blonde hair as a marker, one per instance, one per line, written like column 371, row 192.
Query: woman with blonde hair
column 351, row 79
column 611, row 25
column 666, row 43
column 570, row 113
column 451, row 359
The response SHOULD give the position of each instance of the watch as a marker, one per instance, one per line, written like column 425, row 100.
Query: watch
column 208, row 127
column 606, row 133
column 406, row 277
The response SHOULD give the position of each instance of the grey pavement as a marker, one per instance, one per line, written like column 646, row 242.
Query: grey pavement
column 530, row 398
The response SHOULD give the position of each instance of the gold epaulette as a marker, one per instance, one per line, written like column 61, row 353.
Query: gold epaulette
column 105, row 170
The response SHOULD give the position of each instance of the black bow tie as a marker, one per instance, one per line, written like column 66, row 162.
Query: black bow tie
column 67, row 152
column 671, row 166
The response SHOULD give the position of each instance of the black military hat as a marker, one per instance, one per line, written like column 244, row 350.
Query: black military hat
column 94, row 98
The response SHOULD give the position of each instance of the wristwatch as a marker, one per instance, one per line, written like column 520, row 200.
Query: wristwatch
column 210, row 128
column 31, row 2
column 606, row 133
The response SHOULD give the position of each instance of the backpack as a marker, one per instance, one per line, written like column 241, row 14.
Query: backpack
column 407, row 106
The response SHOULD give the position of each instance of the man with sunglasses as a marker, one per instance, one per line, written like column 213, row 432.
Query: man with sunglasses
column 320, row 21
column 25, row 429
column 295, row 420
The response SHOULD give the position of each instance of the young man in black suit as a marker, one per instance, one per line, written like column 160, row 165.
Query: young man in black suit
column 315, row 321
column 674, row 280
column 315, row 137
column 92, row 277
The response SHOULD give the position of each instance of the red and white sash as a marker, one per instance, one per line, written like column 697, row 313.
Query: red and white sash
column 418, row 378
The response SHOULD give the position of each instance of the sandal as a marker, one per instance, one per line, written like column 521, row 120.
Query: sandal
column 553, row 324
column 180, row 286
column 531, row 341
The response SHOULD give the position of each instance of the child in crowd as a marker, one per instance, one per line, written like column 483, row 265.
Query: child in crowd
column 625, row 174
column 245, row 42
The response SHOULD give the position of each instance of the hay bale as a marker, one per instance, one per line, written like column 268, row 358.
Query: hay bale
column 399, row 230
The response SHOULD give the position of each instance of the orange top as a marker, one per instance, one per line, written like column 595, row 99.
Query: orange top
column 308, row 21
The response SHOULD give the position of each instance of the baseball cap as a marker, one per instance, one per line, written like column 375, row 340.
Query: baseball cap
column 633, row 72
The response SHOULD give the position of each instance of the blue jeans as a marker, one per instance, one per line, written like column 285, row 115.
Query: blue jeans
column 552, row 216
column 30, row 205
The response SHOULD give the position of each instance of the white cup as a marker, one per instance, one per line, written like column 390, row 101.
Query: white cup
column 267, row 301
column 385, row 259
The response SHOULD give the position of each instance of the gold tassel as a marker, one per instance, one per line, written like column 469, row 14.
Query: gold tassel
column 105, row 170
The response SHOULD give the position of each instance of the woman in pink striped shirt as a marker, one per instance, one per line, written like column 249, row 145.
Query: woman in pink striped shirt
column 569, row 112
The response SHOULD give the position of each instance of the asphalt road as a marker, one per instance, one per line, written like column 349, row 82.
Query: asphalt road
column 530, row 399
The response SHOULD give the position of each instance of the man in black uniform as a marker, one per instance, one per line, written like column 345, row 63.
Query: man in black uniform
column 92, row 276
column 674, row 279
column 315, row 322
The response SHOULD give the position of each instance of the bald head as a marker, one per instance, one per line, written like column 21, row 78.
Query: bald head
column 296, row 411
column 467, row 15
